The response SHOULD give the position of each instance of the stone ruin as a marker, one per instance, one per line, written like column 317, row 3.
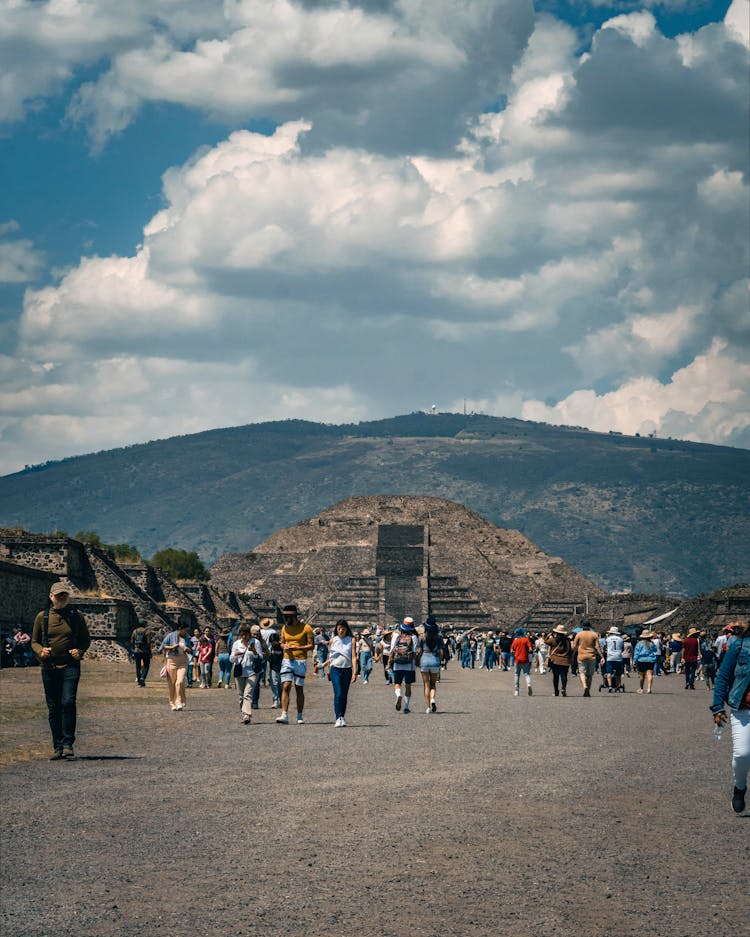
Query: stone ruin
column 373, row 560
column 112, row 596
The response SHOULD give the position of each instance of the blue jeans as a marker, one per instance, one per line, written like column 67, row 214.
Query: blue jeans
column 341, row 678
column 60, row 688
column 274, row 678
column 225, row 669
column 526, row 668
column 465, row 657
column 689, row 672
column 365, row 664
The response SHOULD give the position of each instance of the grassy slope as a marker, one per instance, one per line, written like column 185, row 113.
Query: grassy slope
column 653, row 514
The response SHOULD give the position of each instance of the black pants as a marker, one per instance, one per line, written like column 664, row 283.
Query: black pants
column 690, row 668
column 142, row 663
column 559, row 675
column 60, row 689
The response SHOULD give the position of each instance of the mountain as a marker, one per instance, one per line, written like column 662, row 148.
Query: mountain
column 654, row 515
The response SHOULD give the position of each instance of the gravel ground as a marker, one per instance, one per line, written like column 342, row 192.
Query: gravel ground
column 588, row 817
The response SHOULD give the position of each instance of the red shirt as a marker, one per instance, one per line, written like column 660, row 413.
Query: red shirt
column 691, row 649
column 521, row 649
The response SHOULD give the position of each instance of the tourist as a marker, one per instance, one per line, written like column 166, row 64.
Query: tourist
column 246, row 657
column 60, row 639
column 627, row 653
column 402, row 655
column 559, row 643
column 504, row 643
column 297, row 641
column 194, row 656
column 275, row 658
column 586, row 648
column 644, row 659
column 267, row 630
column 675, row 652
column 22, row 651
column 733, row 687
column 691, row 653
column 542, row 650
column 223, row 659
column 383, row 653
column 341, row 670
column 614, row 667
column 431, row 652
column 722, row 642
column 488, row 661
column 465, row 645
column 206, row 653
column 659, row 642
column 321, row 640
column 365, row 653
column 140, row 647
column 521, row 649
column 260, row 665
column 708, row 662
column 174, row 649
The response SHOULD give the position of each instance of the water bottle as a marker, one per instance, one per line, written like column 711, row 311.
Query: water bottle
column 719, row 731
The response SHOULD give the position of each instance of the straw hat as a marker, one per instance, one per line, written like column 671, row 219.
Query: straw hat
column 560, row 629
column 692, row 631
column 614, row 630
column 647, row 634
column 676, row 636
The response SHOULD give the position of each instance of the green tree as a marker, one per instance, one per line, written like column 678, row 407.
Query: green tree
column 180, row 564
column 124, row 552
column 89, row 537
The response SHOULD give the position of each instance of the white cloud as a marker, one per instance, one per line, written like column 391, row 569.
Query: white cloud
column 706, row 401
column 591, row 215
column 20, row 262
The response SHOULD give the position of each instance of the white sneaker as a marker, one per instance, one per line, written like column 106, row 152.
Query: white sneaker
column 515, row 692
column 283, row 719
column 338, row 723
column 274, row 705
column 342, row 722
column 300, row 719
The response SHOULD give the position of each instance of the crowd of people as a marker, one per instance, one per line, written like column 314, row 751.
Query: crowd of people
column 264, row 655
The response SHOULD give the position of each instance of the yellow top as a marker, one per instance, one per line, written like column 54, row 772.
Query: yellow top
column 299, row 635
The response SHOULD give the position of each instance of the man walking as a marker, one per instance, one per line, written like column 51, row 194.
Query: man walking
column 615, row 666
column 403, row 653
column 140, row 646
column 691, row 652
column 59, row 639
column 586, row 647
column 297, row 641
column 522, row 649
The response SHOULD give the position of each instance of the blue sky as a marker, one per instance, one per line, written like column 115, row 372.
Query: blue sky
column 257, row 210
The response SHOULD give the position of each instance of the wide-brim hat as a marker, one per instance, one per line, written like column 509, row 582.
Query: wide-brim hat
column 614, row 630
column 647, row 634
column 560, row 629
column 692, row 631
column 676, row 636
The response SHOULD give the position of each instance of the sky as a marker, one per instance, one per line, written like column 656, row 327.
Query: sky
column 219, row 213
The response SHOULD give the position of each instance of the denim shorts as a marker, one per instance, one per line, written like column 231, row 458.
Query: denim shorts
column 293, row 670
column 615, row 667
column 429, row 669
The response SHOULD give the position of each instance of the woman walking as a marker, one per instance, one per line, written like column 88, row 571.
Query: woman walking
column 366, row 653
column 222, row 656
column 246, row 656
column 733, row 687
column 644, row 658
column 206, row 654
column 340, row 661
column 560, row 651
column 173, row 647
column 431, row 654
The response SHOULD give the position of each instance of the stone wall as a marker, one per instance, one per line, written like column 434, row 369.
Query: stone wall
column 62, row 556
column 23, row 593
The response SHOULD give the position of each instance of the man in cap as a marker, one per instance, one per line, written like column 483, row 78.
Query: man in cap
column 402, row 656
column 59, row 639
column 615, row 665
column 140, row 646
column 691, row 652
column 297, row 641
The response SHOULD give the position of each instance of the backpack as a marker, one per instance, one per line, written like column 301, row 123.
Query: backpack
column 403, row 650
column 140, row 642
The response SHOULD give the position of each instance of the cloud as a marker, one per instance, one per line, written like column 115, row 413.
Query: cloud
column 20, row 262
column 575, row 244
column 706, row 401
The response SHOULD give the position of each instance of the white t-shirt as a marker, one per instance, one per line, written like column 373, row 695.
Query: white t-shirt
column 341, row 651
column 614, row 647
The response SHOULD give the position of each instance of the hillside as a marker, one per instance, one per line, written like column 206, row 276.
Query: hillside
column 649, row 514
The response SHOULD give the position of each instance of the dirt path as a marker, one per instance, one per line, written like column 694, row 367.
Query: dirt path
column 496, row 816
